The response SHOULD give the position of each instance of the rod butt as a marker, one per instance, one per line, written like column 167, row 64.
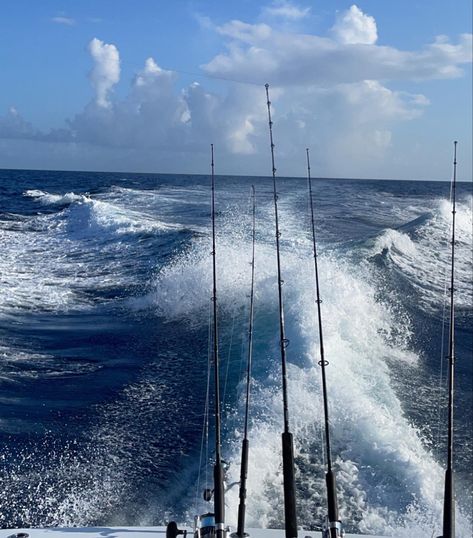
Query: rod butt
column 243, row 476
column 334, row 529
column 449, row 507
column 289, row 485
column 219, row 501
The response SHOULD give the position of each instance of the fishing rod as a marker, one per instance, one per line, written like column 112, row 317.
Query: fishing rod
column 333, row 526
column 287, row 441
column 219, row 491
column 210, row 525
column 449, row 494
column 245, row 443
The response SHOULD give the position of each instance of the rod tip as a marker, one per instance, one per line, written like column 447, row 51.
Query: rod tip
column 266, row 85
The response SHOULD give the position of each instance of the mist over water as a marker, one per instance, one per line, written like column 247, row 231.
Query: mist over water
column 104, row 323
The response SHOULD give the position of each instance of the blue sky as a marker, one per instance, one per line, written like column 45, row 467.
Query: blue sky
column 375, row 89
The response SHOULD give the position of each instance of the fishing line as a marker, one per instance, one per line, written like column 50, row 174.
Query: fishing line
column 205, row 428
column 245, row 442
column 318, row 424
column 243, row 342
column 228, row 357
column 442, row 345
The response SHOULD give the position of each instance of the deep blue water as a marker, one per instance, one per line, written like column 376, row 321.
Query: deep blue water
column 104, row 327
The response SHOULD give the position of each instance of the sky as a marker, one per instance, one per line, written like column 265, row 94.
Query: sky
column 375, row 89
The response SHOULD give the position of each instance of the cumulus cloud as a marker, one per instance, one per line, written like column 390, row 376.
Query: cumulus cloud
column 64, row 20
column 260, row 54
column 155, row 114
column 106, row 71
column 329, row 93
column 286, row 10
column 353, row 26
column 348, row 126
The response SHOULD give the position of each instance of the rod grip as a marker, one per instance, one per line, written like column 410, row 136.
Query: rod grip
column 219, row 501
column 331, row 495
column 289, row 485
column 243, row 476
column 449, row 506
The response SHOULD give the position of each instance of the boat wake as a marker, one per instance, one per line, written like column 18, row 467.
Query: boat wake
column 132, row 456
column 389, row 481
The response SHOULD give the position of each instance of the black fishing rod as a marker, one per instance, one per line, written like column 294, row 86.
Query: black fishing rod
column 333, row 528
column 449, row 495
column 245, row 443
column 219, row 491
column 287, row 441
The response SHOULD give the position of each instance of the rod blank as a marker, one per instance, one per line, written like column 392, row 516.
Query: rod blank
column 287, row 442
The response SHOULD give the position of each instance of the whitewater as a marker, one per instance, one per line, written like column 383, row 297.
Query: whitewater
column 104, row 327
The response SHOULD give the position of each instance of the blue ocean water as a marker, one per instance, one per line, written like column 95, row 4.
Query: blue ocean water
column 104, row 325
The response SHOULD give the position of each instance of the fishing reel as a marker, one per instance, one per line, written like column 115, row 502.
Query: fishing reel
column 172, row 531
column 204, row 526
column 332, row 529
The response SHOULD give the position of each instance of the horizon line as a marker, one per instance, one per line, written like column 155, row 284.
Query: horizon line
column 233, row 175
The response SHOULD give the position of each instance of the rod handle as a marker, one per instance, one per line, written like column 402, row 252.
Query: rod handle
column 449, row 506
column 289, row 485
column 243, row 476
column 331, row 495
column 219, row 501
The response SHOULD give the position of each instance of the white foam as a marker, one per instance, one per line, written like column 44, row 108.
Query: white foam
column 423, row 255
column 93, row 217
column 49, row 260
column 395, row 240
column 54, row 199
column 388, row 477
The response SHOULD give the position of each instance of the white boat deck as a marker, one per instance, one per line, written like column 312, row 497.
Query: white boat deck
column 140, row 532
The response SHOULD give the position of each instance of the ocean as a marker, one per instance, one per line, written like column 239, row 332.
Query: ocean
column 104, row 348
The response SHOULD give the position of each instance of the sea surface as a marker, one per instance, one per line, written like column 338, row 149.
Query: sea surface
column 105, row 287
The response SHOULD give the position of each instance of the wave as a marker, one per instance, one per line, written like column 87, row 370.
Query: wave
column 93, row 217
column 89, row 216
column 420, row 251
column 70, row 258
column 389, row 479
column 54, row 199
column 390, row 482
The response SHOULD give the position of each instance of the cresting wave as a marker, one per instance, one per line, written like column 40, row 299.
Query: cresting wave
column 421, row 253
column 52, row 261
column 47, row 198
column 388, row 480
column 92, row 216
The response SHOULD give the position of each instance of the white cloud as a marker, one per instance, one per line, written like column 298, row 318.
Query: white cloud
column 157, row 115
column 349, row 127
column 64, row 20
column 353, row 26
column 106, row 71
column 329, row 94
column 244, row 32
column 259, row 54
column 286, row 10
